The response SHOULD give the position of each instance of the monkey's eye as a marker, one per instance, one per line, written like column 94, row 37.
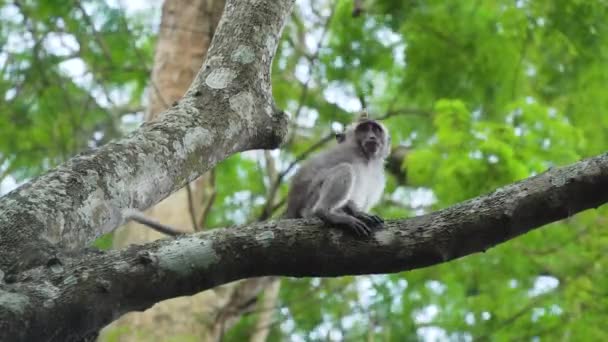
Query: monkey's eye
column 375, row 128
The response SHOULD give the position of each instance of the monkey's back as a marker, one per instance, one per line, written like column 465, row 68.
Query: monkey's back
column 303, row 192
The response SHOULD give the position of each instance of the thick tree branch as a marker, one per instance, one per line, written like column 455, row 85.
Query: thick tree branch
column 228, row 109
column 115, row 282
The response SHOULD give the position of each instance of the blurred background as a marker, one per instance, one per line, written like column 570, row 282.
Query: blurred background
column 477, row 95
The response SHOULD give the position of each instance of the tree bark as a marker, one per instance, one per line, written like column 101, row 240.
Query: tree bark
column 227, row 109
column 41, row 302
column 50, row 292
column 185, row 33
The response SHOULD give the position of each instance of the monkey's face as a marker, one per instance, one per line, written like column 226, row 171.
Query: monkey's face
column 371, row 136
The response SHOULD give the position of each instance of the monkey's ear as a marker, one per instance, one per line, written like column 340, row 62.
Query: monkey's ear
column 340, row 137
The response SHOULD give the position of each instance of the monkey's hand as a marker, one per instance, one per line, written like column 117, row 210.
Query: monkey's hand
column 335, row 186
column 372, row 221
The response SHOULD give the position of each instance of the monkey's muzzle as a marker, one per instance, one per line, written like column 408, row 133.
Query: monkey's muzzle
column 371, row 146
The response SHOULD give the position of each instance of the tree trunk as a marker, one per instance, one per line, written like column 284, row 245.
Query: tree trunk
column 180, row 51
column 266, row 311
column 185, row 33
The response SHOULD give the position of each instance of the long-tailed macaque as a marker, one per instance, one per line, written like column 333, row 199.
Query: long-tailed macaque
column 340, row 184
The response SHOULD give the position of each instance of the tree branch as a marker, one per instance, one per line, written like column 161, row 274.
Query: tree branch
column 228, row 109
column 38, row 303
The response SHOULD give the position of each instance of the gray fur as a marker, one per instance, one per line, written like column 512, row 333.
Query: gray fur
column 340, row 184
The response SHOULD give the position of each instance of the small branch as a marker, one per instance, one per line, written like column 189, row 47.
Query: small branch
column 159, row 227
column 100, row 41
column 210, row 200
column 142, row 58
column 394, row 163
column 312, row 59
column 191, row 208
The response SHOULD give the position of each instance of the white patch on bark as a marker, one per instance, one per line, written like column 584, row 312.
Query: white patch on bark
column 198, row 136
column 121, row 266
column 271, row 44
column 265, row 238
column 50, row 293
column 186, row 255
column 243, row 54
column 150, row 179
column 234, row 128
column 384, row 237
column 70, row 280
column 119, row 182
column 54, row 235
column 93, row 207
column 14, row 302
column 220, row 78
column 558, row 180
column 242, row 104
column 214, row 60
column 194, row 138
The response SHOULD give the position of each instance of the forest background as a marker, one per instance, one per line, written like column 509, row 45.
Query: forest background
column 477, row 95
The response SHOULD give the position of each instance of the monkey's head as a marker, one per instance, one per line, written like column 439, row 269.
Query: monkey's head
column 370, row 136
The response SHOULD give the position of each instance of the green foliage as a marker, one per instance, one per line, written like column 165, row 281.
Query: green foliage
column 60, row 79
column 483, row 93
column 465, row 149
column 104, row 242
column 505, row 90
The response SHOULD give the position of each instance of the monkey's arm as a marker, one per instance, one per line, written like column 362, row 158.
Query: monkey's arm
column 131, row 214
column 335, row 190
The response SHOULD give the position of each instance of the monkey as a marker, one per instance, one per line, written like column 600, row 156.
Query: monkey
column 337, row 186
column 342, row 183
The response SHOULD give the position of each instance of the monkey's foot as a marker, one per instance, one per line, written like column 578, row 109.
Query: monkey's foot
column 355, row 226
column 373, row 221
column 346, row 222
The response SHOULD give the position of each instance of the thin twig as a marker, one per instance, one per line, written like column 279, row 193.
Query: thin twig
column 96, row 36
column 210, row 200
column 306, row 86
column 142, row 58
column 191, row 208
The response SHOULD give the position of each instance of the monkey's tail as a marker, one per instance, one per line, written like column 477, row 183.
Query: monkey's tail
column 132, row 214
